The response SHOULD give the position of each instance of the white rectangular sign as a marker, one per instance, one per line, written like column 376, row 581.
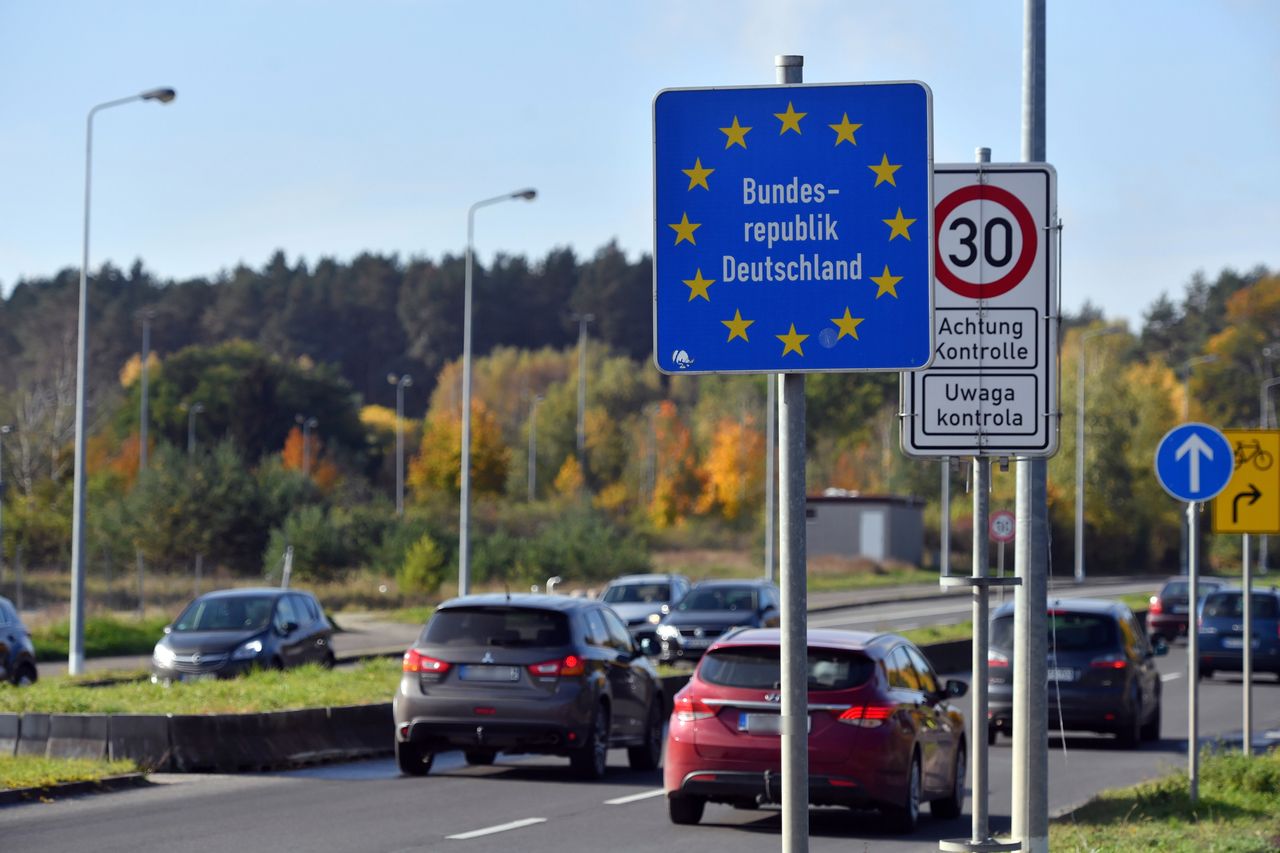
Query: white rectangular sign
column 992, row 389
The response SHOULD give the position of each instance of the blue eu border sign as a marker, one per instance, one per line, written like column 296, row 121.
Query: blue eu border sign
column 793, row 228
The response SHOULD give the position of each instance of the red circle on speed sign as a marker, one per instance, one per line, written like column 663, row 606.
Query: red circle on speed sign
column 1001, row 526
column 1026, row 224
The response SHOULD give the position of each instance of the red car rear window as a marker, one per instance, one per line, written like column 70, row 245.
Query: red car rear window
column 759, row 667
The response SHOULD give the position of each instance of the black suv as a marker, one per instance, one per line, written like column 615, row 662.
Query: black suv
column 17, row 654
column 1101, row 672
column 710, row 609
column 542, row 674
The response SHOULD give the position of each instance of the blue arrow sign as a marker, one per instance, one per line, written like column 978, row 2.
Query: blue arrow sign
column 793, row 228
column 1194, row 462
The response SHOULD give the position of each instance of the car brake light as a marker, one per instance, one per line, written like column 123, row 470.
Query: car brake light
column 1157, row 606
column 997, row 659
column 689, row 708
column 570, row 665
column 866, row 716
column 1109, row 662
column 415, row 661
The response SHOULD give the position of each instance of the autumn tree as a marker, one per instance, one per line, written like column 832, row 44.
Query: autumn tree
column 438, row 465
column 678, row 479
column 732, row 470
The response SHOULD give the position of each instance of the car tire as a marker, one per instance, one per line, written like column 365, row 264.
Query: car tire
column 480, row 757
column 1206, row 673
column 590, row 760
column 25, row 675
column 328, row 662
column 412, row 759
column 992, row 732
column 1151, row 728
column 648, row 756
column 905, row 817
column 950, row 806
column 684, row 809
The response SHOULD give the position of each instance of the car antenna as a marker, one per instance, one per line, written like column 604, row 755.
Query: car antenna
column 507, row 587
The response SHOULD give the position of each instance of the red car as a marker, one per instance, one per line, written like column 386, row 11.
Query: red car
column 882, row 730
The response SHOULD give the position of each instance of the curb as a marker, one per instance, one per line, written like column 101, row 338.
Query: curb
column 11, row 796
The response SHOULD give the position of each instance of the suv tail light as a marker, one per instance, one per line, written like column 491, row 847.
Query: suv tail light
column 571, row 665
column 689, row 708
column 866, row 716
column 997, row 659
column 429, row 668
column 1113, row 661
column 1156, row 605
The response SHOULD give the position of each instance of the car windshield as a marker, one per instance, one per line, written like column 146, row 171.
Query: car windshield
column 497, row 626
column 1068, row 631
column 1230, row 605
column 638, row 593
column 739, row 598
column 226, row 613
column 758, row 667
column 1181, row 589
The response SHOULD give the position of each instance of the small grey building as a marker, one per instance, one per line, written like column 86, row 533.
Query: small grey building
column 878, row 527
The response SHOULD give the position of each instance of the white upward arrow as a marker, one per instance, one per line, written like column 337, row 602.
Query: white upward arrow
column 1195, row 447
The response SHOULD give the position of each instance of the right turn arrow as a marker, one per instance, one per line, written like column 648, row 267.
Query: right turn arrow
column 1253, row 495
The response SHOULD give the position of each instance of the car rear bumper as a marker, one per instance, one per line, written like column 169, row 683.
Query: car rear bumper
column 1167, row 625
column 1098, row 710
column 509, row 736
column 766, row 787
column 1232, row 660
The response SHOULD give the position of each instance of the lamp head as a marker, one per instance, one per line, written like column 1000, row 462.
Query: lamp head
column 6, row 429
column 527, row 195
column 164, row 96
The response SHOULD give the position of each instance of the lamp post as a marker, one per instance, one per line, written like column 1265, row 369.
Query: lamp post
column 401, row 383
column 533, row 446
column 308, row 424
column 192, row 410
column 1188, row 366
column 4, row 430
column 464, row 533
column 75, row 653
column 147, row 317
column 1080, row 377
column 583, row 320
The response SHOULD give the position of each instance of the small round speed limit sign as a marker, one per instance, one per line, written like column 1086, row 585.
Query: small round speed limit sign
column 984, row 241
column 1001, row 526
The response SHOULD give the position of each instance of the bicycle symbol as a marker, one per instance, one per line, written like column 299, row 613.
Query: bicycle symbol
column 1253, row 452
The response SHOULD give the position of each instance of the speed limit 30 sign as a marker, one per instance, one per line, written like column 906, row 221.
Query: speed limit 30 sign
column 992, row 389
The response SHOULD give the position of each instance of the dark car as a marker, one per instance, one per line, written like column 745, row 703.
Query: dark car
column 1168, row 609
column 544, row 674
column 1101, row 671
column 642, row 600
column 1221, row 632
column 17, row 653
column 882, row 729
column 227, row 633
column 710, row 609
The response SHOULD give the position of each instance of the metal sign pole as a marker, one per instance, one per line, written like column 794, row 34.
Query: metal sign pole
column 944, row 520
column 981, row 642
column 1193, row 651
column 770, row 481
column 1247, row 745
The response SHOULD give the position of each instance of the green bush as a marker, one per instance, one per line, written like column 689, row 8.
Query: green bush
column 423, row 568
column 320, row 548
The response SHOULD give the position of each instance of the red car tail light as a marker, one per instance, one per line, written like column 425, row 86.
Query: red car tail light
column 571, row 665
column 1109, row 662
column 866, row 716
column 429, row 668
column 1156, row 606
column 689, row 708
column 997, row 659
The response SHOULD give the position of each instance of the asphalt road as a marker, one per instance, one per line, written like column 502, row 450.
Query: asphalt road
column 532, row 804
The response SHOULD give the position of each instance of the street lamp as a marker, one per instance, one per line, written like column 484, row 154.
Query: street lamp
column 75, row 655
column 464, row 533
column 147, row 317
column 533, row 446
column 583, row 320
column 1188, row 366
column 4, row 430
column 192, row 411
column 1084, row 340
column 308, row 424
column 401, row 383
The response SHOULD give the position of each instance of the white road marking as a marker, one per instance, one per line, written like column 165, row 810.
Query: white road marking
column 505, row 827
column 1170, row 676
column 622, row 801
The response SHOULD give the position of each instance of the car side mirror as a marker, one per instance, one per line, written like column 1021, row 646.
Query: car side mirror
column 288, row 628
column 955, row 688
column 1160, row 648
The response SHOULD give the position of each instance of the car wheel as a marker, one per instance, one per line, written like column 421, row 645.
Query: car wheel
column 951, row 805
column 590, row 759
column 684, row 809
column 992, row 732
column 25, row 675
column 480, row 757
column 328, row 661
column 1206, row 672
column 906, row 816
column 412, row 759
column 1151, row 729
column 648, row 755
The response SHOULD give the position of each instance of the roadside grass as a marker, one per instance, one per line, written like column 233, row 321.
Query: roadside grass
column 939, row 633
column 31, row 771
column 310, row 686
column 409, row 615
column 104, row 636
column 1238, row 811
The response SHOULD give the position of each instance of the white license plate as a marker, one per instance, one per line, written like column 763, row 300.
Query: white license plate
column 196, row 676
column 1178, row 609
column 1060, row 674
column 696, row 642
column 499, row 674
column 1233, row 642
column 765, row 724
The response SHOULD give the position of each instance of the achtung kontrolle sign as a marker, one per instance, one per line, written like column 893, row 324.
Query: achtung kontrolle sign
column 992, row 389
column 792, row 228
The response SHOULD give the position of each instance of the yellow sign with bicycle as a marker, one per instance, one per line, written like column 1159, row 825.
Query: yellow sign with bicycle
column 1250, row 503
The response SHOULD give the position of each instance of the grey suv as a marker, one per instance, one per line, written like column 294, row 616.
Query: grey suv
column 541, row 674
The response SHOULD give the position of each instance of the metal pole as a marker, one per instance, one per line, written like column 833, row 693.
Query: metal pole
column 1247, row 744
column 770, row 478
column 533, row 447
column 1193, row 652
column 1080, row 462
column 399, row 448
column 142, row 414
column 199, row 572
column 583, row 320
column 4, row 430
column 944, row 521
column 1030, row 697
column 981, row 642
column 795, row 657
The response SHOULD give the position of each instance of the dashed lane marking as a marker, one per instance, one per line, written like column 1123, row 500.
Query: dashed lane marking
column 622, row 801
column 492, row 830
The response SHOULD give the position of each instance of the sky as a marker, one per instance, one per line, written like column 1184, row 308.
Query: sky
column 327, row 129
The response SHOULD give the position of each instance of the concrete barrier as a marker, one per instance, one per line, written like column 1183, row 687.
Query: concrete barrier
column 144, row 738
column 33, row 734
column 363, row 729
column 77, row 736
column 10, row 725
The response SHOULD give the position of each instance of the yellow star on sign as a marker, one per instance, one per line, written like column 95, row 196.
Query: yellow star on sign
column 897, row 226
column 847, row 325
column 790, row 119
column 845, row 130
column 737, row 134
column 737, row 326
column 792, row 341
column 884, row 172
column 698, row 286
column 684, row 229
column 887, row 282
column 698, row 175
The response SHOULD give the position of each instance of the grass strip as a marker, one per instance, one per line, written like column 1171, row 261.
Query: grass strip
column 31, row 771
column 1238, row 811
column 305, row 687
column 104, row 636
